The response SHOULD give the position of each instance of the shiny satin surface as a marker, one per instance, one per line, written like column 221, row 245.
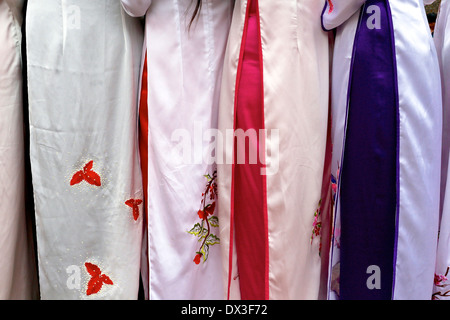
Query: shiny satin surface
column 83, row 75
column 295, row 83
column 420, row 150
column 420, row 125
column 370, row 155
column 184, row 74
column 249, row 185
column 442, row 41
column 17, row 265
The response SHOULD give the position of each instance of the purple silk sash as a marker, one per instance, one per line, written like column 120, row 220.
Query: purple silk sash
column 369, row 177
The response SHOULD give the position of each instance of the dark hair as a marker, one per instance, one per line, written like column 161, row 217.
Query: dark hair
column 431, row 17
column 197, row 9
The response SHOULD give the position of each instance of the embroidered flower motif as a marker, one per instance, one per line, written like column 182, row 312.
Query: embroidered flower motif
column 134, row 204
column 439, row 281
column 317, row 225
column 334, row 184
column 198, row 257
column 331, row 5
column 97, row 280
column 202, row 229
column 439, row 278
column 86, row 174
column 337, row 237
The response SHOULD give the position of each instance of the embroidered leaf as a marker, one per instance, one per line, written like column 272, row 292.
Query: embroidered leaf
column 212, row 240
column 93, row 178
column 135, row 213
column 214, row 221
column 205, row 251
column 196, row 230
column 94, row 285
column 88, row 166
column 97, row 280
column 86, row 174
column 105, row 279
column 77, row 178
column 134, row 204
column 92, row 269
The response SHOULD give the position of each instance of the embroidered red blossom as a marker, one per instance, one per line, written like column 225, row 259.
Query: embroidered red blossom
column 197, row 258
column 97, row 280
column 202, row 214
column 207, row 211
column 87, row 174
column 134, row 204
column 210, row 208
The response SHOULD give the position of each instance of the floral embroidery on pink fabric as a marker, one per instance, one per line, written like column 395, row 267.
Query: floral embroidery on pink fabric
column 86, row 174
column 334, row 180
column 97, row 280
column 439, row 281
column 331, row 5
column 134, row 204
column 317, row 225
column 337, row 237
column 202, row 229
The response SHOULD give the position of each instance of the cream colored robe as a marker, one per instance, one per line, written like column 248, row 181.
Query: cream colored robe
column 17, row 264
column 295, row 66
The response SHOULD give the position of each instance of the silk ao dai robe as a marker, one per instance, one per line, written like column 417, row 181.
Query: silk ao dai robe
column 17, row 265
column 386, row 134
column 274, row 114
column 83, row 73
column 179, row 97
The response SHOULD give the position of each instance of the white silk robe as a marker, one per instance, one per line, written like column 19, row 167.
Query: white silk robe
column 442, row 41
column 17, row 264
column 273, row 213
column 179, row 96
column 83, row 76
column 385, row 64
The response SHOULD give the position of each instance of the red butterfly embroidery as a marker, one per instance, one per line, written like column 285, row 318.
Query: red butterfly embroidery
column 97, row 279
column 87, row 175
column 330, row 3
column 134, row 203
